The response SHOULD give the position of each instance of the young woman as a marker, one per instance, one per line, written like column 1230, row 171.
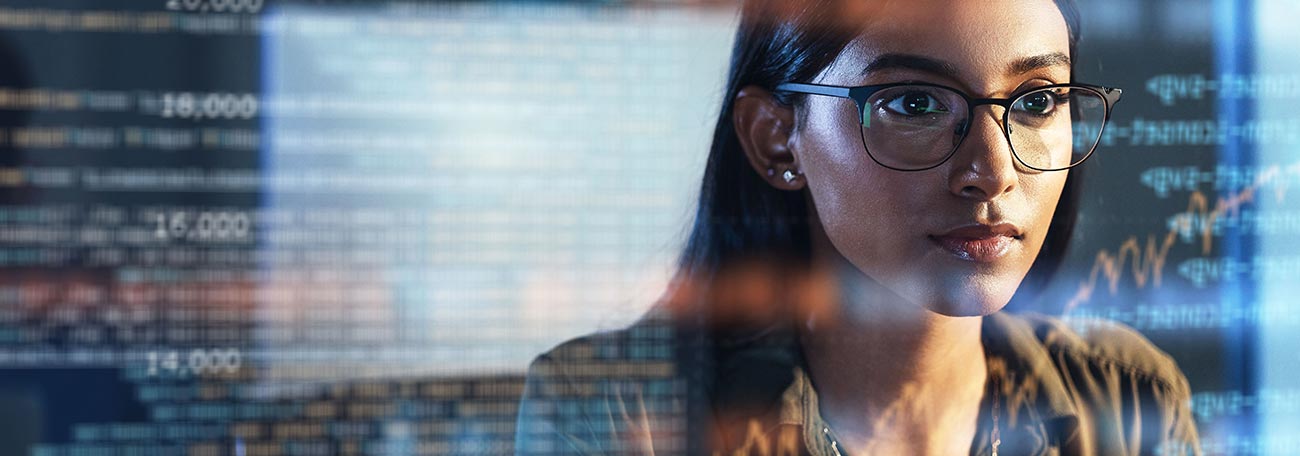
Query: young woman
column 884, row 178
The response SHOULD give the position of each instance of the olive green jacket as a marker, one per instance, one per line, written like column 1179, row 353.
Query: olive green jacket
column 1083, row 388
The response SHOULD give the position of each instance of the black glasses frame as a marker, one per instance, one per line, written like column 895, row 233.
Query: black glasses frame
column 861, row 94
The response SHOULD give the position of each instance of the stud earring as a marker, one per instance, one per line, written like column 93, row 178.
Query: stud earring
column 789, row 176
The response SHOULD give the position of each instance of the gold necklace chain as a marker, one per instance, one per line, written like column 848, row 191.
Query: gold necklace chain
column 997, row 396
column 996, row 437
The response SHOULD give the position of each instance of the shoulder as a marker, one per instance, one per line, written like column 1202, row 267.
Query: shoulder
column 1125, row 393
column 1100, row 345
column 605, row 392
column 642, row 350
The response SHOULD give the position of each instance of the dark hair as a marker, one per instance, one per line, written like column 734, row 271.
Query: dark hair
column 740, row 216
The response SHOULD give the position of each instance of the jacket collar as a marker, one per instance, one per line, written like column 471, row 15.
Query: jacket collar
column 1027, row 373
column 1038, row 411
column 1036, row 406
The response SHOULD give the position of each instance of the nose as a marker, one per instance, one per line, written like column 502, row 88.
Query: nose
column 983, row 167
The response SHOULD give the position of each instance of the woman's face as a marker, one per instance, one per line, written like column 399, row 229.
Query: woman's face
column 958, row 238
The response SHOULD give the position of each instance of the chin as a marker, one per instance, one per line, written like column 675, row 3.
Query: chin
column 971, row 300
column 966, row 308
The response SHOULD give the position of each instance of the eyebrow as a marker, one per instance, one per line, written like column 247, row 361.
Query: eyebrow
column 911, row 62
column 1028, row 64
column 948, row 70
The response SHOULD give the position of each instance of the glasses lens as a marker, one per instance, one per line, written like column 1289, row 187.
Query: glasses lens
column 1056, row 128
column 912, row 127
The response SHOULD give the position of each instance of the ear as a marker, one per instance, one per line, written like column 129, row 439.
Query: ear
column 764, row 128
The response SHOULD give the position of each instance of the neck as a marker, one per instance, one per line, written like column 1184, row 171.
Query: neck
column 894, row 377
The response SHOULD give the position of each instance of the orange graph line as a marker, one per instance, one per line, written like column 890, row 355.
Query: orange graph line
column 758, row 442
column 1147, row 262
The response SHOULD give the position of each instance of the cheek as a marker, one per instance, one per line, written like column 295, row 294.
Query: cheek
column 869, row 213
column 865, row 209
column 861, row 210
column 835, row 164
column 1045, row 194
column 1048, row 187
column 857, row 201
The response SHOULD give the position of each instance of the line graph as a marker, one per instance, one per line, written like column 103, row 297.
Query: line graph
column 1146, row 262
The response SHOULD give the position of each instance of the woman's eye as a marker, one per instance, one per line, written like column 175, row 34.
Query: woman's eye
column 1037, row 103
column 915, row 104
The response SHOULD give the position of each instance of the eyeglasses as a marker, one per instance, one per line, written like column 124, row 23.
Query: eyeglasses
column 918, row 126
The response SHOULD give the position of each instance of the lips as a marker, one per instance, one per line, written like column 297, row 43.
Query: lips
column 979, row 242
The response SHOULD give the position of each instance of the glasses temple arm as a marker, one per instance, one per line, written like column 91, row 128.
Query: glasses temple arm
column 814, row 89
